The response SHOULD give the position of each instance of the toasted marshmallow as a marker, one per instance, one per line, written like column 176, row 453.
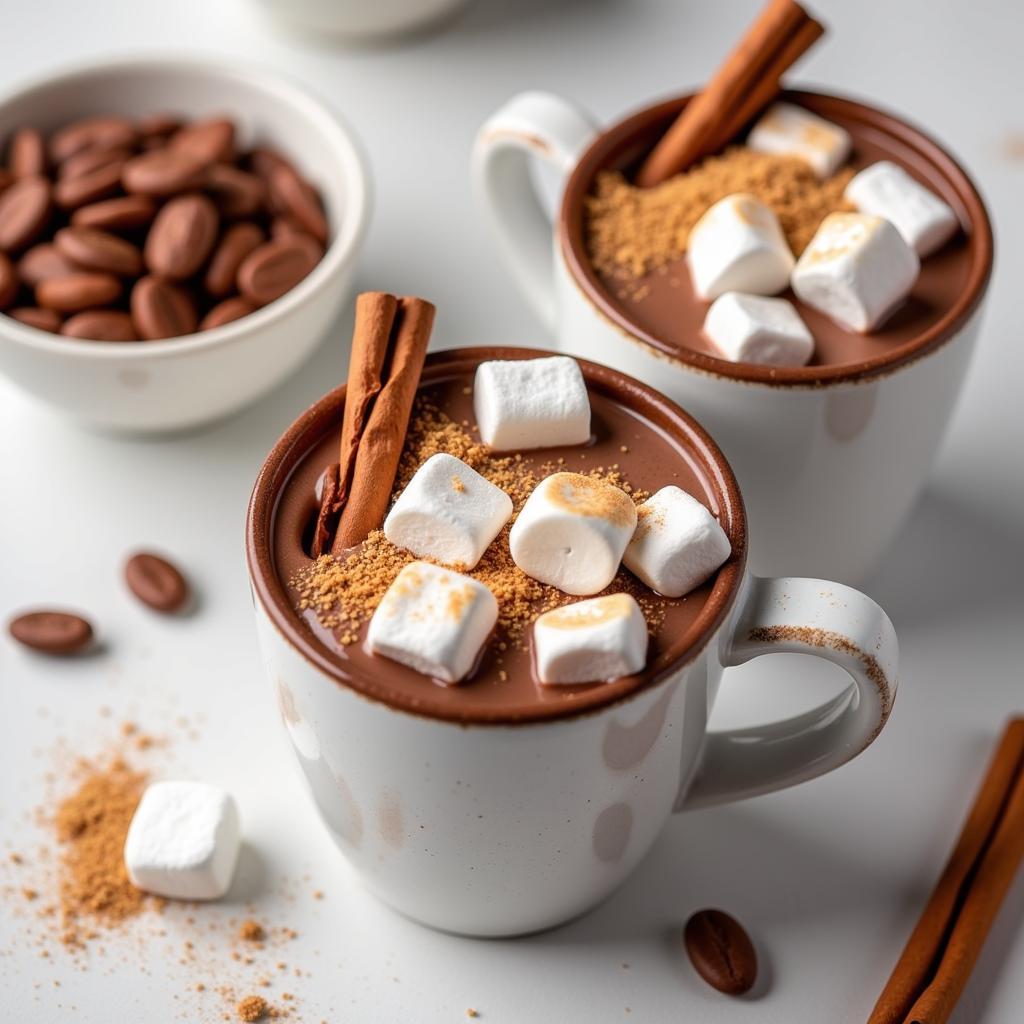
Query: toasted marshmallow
column 754, row 329
column 448, row 512
column 531, row 403
column 920, row 216
column 678, row 543
column 738, row 246
column 856, row 270
column 572, row 531
column 433, row 620
column 592, row 641
column 183, row 841
column 789, row 130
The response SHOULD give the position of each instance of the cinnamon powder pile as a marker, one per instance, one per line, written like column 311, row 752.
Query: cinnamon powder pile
column 633, row 231
column 345, row 592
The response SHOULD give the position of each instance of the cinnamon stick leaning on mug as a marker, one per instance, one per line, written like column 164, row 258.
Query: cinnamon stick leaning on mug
column 939, row 955
column 748, row 79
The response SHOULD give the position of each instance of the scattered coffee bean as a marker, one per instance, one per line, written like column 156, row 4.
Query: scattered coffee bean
column 92, row 249
column 181, row 237
column 100, row 325
column 8, row 282
column 42, row 262
column 273, row 269
column 91, row 133
column 161, row 310
column 70, row 193
column 227, row 312
column 78, row 291
column 721, row 951
column 236, row 243
column 155, row 582
column 24, row 210
column 27, row 157
column 42, row 319
column 121, row 214
column 51, row 632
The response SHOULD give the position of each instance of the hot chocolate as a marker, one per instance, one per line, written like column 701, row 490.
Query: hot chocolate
column 639, row 442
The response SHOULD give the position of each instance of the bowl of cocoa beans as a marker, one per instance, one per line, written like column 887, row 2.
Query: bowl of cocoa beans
column 176, row 238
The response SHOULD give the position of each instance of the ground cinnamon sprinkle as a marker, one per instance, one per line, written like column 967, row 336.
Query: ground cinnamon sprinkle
column 632, row 231
column 345, row 592
column 253, row 1008
column 251, row 931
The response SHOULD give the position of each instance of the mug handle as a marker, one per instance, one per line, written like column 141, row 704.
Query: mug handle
column 801, row 616
column 530, row 125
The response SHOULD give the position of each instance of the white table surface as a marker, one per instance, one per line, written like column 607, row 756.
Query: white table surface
column 830, row 876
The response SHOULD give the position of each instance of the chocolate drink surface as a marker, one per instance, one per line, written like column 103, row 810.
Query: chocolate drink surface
column 625, row 447
column 662, row 303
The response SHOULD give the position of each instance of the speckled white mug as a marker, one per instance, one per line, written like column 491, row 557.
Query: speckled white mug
column 501, row 827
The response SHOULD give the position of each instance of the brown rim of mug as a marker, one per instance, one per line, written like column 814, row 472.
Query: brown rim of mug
column 325, row 415
column 968, row 203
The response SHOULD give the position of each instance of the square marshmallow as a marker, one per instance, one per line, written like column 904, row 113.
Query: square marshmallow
column 571, row 532
column 678, row 543
column 788, row 130
column 531, row 403
column 183, row 841
column 755, row 329
column 448, row 512
column 856, row 270
column 920, row 216
column 738, row 246
column 595, row 641
column 433, row 620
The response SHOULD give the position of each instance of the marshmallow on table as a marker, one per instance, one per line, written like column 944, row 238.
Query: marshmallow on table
column 678, row 543
column 788, row 130
column 183, row 841
column 592, row 641
column 531, row 403
column 433, row 620
column 920, row 216
column 448, row 512
column 856, row 270
column 755, row 329
column 738, row 246
column 572, row 531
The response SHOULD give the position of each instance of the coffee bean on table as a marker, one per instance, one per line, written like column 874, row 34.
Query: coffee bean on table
column 235, row 244
column 156, row 582
column 161, row 310
column 83, row 290
column 35, row 316
column 9, row 282
column 273, row 269
column 28, row 153
column 100, row 325
column 93, row 249
column 227, row 312
column 51, row 632
column 181, row 236
column 70, row 193
column 121, row 214
column 91, row 133
column 163, row 172
column 721, row 951
column 24, row 211
column 43, row 261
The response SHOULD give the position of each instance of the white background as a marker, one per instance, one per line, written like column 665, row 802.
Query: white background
column 829, row 877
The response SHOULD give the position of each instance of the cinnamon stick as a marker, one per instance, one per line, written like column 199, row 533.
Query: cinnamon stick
column 754, row 67
column 942, row 949
column 380, row 446
column 327, row 518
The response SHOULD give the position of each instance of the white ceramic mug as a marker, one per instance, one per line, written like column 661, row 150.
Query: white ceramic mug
column 830, row 458
column 505, row 827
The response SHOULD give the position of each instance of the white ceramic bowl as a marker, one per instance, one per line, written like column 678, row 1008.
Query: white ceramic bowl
column 154, row 386
column 359, row 20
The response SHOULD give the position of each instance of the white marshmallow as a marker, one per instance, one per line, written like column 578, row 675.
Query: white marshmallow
column 572, row 531
column 738, row 246
column 788, row 130
column 448, row 512
column 183, row 841
column 856, row 270
column 754, row 329
column 531, row 403
column 678, row 543
column 920, row 216
column 593, row 641
column 433, row 620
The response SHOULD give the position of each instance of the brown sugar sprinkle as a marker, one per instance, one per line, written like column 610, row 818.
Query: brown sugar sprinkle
column 344, row 593
column 253, row 1008
column 251, row 931
column 633, row 231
